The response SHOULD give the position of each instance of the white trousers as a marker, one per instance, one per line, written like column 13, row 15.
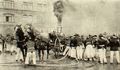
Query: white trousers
column 73, row 52
column 13, row 48
column 89, row 51
column 116, row 53
column 1, row 47
column 8, row 47
column 31, row 56
column 79, row 50
column 19, row 54
column 67, row 49
column 102, row 55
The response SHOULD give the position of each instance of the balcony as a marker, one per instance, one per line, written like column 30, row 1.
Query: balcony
column 23, row 6
column 8, row 4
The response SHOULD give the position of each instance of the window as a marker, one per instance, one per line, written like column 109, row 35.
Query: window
column 41, row 6
column 27, row 5
column 9, row 4
column 9, row 17
column 27, row 18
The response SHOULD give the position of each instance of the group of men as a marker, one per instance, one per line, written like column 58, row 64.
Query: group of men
column 93, row 47
column 5, row 41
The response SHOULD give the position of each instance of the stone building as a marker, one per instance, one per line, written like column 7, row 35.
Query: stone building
column 35, row 12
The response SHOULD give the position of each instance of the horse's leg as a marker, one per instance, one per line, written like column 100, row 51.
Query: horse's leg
column 25, row 53
column 47, row 52
column 3, row 46
column 39, row 54
column 55, row 53
column 42, row 55
column 58, row 51
column 22, row 50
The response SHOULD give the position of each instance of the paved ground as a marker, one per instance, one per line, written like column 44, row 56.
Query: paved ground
column 7, row 62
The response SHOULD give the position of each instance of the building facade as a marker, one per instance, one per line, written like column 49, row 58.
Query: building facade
column 35, row 12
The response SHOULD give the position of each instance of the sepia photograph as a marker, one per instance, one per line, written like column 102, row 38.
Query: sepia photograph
column 59, row 34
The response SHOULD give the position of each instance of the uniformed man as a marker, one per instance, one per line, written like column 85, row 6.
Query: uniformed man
column 73, row 45
column 80, row 47
column 89, row 50
column 67, row 44
column 102, row 44
column 114, row 44
column 30, row 43
column 53, row 36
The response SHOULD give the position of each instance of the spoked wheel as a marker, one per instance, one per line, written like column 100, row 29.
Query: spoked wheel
column 56, row 48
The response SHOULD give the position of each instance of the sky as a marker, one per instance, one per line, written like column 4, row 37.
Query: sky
column 91, row 16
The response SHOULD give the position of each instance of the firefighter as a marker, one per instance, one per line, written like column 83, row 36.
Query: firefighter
column 30, row 43
column 102, row 44
column 114, row 44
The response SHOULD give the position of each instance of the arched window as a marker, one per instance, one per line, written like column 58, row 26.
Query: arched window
column 27, row 18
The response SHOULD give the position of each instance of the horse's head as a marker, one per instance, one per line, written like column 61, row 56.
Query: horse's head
column 17, row 27
column 28, row 28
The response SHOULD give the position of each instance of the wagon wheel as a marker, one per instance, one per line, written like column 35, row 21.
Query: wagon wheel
column 57, row 47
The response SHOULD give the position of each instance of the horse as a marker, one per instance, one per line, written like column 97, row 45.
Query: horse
column 42, row 43
column 46, row 41
column 20, row 38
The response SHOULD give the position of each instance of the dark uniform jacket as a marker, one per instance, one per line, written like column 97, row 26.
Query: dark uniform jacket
column 88, row 40
column 95, row 42
column 40, row 44
column 52, row 37
column 20, row 38
column 73, row 42
column 114, row 44
column 30, row 40
column 102, row 43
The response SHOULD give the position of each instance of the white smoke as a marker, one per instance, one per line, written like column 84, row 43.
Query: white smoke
column 91, row 17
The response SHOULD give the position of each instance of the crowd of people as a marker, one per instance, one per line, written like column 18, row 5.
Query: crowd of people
column 80, row 47
column 7, row 43
column 93, row 47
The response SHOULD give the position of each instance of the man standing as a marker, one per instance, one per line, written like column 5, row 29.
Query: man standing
column 73, row 45
column 89, row 50
column 30, row 42
column 114, row 44
column 102, row 43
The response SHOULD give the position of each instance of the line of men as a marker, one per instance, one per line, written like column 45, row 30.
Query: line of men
column 93, row 47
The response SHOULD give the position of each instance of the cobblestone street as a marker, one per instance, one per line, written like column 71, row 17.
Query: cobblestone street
column 7, row 61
